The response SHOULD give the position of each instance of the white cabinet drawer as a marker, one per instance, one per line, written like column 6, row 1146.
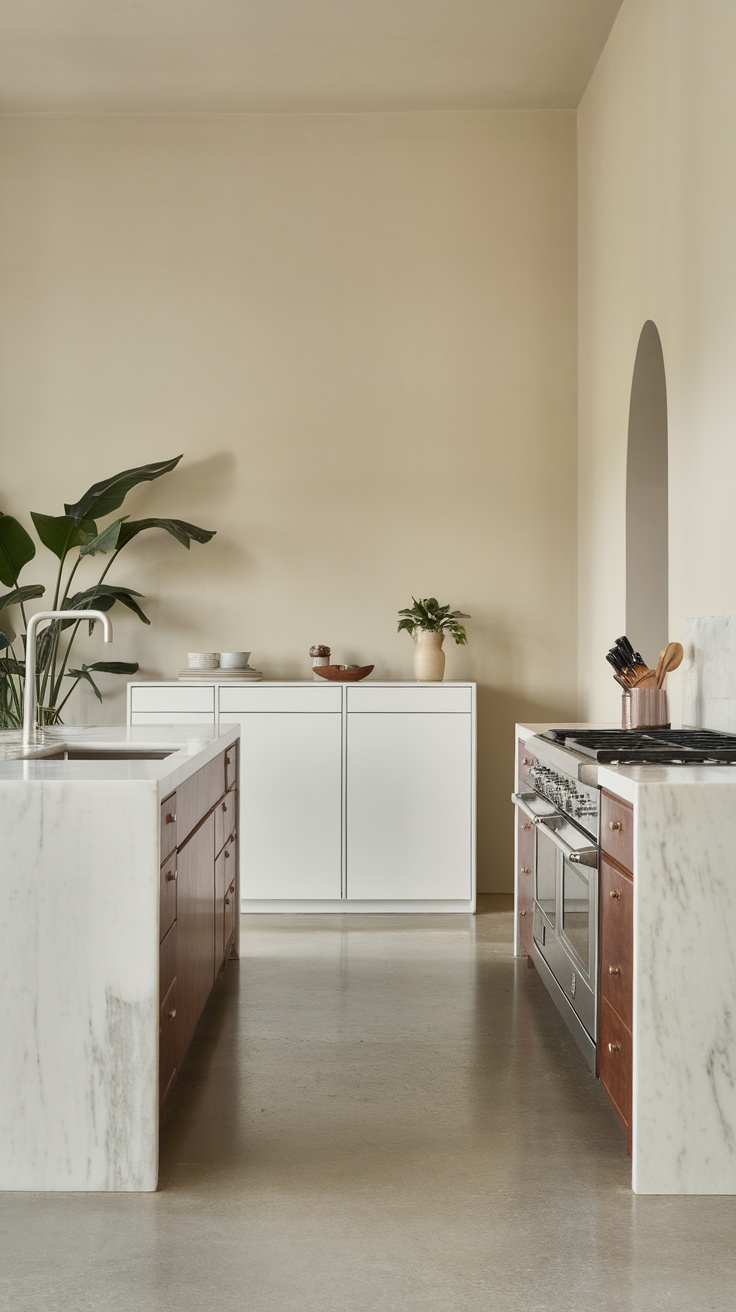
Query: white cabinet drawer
column 172, row 697
column 315, row 699
column 420, row 699
column 172, row 717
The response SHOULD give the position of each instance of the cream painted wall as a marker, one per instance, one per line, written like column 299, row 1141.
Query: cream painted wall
column 657, row 217
column 361, row 331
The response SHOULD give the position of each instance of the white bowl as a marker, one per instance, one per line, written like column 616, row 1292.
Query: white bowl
column 234, row 660
column 203, row 660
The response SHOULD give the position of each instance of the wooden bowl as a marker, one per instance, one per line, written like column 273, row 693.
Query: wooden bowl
column 342, row 676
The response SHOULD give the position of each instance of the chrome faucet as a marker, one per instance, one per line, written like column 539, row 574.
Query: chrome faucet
column 29, row 691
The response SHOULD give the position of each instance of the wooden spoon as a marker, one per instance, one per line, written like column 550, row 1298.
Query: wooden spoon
column 669, row 659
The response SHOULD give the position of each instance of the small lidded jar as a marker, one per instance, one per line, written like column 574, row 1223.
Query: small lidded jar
column 320, row 656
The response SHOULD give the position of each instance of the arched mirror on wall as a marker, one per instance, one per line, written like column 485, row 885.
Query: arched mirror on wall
column 647, row 555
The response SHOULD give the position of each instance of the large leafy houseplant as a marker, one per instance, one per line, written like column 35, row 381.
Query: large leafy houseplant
column 75, row 538
column 427, row 616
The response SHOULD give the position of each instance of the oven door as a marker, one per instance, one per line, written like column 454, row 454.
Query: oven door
column 566, row 934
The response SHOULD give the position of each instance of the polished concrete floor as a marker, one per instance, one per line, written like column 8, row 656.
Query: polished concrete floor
column 377, row 1113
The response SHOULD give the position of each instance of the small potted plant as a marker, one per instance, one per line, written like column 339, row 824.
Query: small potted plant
column 428, row 622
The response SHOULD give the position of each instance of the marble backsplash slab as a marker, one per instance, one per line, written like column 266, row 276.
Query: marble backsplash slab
column 709, row 672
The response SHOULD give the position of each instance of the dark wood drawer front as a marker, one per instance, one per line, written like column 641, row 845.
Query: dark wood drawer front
column 226, row 817
column 168, row 826
column 615, row 1061
column 167, row 896
column 196, row 796
column 617, row 830
column 525, row 851
column 525, row 761
column 231, row 911
column 617, row 939
column 167, row 1044
column 231, row 767
column 167, row 962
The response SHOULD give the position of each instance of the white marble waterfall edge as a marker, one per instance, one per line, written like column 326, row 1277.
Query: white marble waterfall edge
column 79, row 981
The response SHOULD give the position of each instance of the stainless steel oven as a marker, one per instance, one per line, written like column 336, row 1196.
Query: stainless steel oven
column 564, row 944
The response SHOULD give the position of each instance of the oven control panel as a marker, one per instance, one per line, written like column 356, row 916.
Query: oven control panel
column 579, row 801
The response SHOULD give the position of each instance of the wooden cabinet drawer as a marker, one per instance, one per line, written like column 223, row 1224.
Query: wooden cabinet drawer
column 197, row 795
column 617, row 939
column 168, row 826
column 526, row 760
column 167, row 896
column 167, row 1044
column 167, row 962
column 231, row 911
column 615, row 1061
column 617, row 829
column 226, row 819
column 525, row 855
column 231, row 767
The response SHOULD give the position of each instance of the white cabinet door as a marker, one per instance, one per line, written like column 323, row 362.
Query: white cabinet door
column 290, row 805
column 409, row 806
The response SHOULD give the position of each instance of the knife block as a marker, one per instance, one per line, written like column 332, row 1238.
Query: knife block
column 645, row 708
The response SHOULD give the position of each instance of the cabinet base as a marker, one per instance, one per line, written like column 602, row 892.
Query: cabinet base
column 344, row 906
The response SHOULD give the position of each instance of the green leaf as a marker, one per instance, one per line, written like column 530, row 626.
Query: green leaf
column 8, row 665
column 18, row 595
column 114, row 667
column 178, row 528
column 16, row 549
column 104, row 497
column 61, row 533
column 4, row 641
column 85, row 674
column 105, row 541
column 103, row 596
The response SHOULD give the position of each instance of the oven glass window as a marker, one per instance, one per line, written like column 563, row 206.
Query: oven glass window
column 546, row 876
column 576, row 910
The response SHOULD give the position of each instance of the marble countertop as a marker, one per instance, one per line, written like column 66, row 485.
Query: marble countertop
column 186, row 743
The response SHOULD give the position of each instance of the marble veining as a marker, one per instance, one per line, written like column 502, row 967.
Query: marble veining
column 709, row 672
column 79, row 966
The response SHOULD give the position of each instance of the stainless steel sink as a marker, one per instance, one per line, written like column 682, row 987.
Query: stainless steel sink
column 122, row 753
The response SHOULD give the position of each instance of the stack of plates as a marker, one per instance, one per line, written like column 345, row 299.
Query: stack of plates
column 219, row 675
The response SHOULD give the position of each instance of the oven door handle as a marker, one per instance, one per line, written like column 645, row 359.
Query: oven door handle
column 522, row 801
column 583, row 856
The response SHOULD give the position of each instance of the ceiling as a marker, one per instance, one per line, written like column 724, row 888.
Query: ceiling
column 270, row 56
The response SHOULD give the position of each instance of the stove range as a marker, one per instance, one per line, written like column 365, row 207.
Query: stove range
column 647, row 746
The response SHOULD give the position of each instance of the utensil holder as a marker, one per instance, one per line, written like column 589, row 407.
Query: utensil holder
column 645, row 708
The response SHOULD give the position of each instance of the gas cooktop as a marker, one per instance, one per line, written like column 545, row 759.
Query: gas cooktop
column 648, row 746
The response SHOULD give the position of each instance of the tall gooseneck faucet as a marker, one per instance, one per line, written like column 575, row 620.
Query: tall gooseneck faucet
column 29, row 692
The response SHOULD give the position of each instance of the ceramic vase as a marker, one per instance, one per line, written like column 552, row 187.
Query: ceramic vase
column 429, row 658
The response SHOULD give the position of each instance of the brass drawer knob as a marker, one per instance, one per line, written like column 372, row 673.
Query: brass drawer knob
column 227, row 901
column 525, row 870
column 614, row 893
column 227, row 855
column 172, row 1014
column 523, row 911
column 614, row 970
column 171, row 817
column 526, row 760
column 171, row 875
column 528, row 825
column 614, row 1047
column 613, row 825
column 231, row 888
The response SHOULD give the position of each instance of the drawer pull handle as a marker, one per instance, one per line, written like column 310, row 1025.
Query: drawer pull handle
column 170, row 875
column 528, row 825
column 227, row 854
column 224, row 806
column 227, row 901
column 526, row 760
column 614, row 893
column 523, row 912
column 171, row 817
column 614, row 1047
column 231, row 888
column 613, row 825
column 172, row 1014
column 525, row 870
column 614, row 970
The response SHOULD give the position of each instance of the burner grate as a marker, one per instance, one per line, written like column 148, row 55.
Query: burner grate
column 649, row 746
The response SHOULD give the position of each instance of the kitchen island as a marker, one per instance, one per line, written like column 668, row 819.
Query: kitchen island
column 111, row 902
column 676, row 865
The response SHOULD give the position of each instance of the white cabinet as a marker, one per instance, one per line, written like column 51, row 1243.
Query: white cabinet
column 408, row 807
column 353, row 797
